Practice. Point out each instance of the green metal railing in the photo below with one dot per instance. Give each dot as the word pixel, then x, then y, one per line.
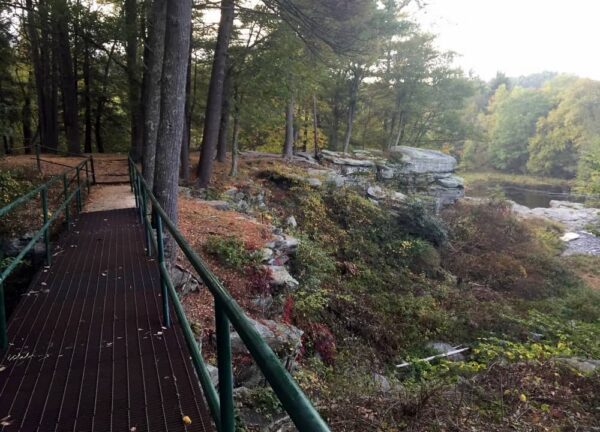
pixel 227 311
pixel 48 218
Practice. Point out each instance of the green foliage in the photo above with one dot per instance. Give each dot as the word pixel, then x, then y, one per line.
pixel 513 118
pixel 12 185
pixel 417 219
pixel 230 251
pixel 489 245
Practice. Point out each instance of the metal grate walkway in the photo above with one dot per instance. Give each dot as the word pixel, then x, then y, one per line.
pixel 87 351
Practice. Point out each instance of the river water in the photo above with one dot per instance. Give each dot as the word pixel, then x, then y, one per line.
pixel 528 196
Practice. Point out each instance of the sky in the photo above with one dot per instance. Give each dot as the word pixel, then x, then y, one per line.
pixel 518 37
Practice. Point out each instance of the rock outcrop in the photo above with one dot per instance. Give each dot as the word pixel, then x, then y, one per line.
pixel 575 217
pixel 406 170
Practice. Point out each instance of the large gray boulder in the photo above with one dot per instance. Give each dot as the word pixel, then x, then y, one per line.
pixel 284 339
pixel 420 161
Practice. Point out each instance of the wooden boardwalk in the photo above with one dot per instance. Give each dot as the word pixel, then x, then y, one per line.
pixel 87 349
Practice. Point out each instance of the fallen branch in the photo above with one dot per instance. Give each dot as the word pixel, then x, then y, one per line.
pixel 453 351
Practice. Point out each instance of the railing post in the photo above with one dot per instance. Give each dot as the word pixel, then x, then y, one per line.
pixel 145 222
pixel 78 190
pixel 93 169
pixel 87 177
pixel 160 246
pixel 135 188
pixel 131 174
pixel 225 369
pixel 139 192
pixel 68 206
pixel 3 330
pixel 44 194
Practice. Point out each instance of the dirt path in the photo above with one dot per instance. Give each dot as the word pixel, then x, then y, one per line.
pixel 109 197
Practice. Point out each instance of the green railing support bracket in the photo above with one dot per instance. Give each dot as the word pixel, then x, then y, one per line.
pixel 160 247
pixel 225 369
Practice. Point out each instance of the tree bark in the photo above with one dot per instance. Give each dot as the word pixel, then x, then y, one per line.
pixel 87 99
pixel 26 116
pixel 101 101
pixel 237 99
pixel 184 172
pixel 68 80
pixel 40 55
pixel 153 65
pixel 354 85
pixel 288 146
pixel 170 129
pixel 224 124
pixel 131 51
pixel 212 116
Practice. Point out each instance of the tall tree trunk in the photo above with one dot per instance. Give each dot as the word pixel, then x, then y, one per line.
pixel 153 62
pixel 335 123
pixel 170 129
pixel 305 137
pixel 131 50
pixel 288 146
pixel 184 172
pixel 40 48
pixel 212 116
pixel 101 101
pixel 87 99
pixel 26 116
pixel 237 99
pixel 7 149
pixel 68 80
pixel 355 84
pixel 348 135
pixel 224 124
pixel 315 126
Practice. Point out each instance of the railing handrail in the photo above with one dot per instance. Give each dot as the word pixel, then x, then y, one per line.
pixel 294 401
pixel 32 193
pixel 44 231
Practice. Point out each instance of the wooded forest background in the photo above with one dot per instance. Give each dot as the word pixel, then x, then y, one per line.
pixel 276 75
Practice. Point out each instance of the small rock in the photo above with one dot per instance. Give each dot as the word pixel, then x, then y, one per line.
pixel 586 366
pixel 280 277
pixel 451 182
pixel 382 383
pixel 231 192
pixel 213 372
pixel 375 192
pixel 398 196
pixel 291 221
pixel 570 236
pixel 336 180
pixel 314 182
pixel 283 338
pixel 443 348
pixel 265 254
pixel 385 172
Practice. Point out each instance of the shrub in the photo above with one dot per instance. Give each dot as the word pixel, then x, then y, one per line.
pixel 489 245
pixel 417 220
pixel 230 251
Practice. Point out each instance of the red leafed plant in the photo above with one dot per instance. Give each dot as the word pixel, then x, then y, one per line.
pixel 322 341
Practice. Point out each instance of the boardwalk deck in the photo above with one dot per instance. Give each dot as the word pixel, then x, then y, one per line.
pixel 87 351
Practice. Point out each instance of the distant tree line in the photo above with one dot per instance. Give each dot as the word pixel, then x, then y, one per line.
pixel 546 124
